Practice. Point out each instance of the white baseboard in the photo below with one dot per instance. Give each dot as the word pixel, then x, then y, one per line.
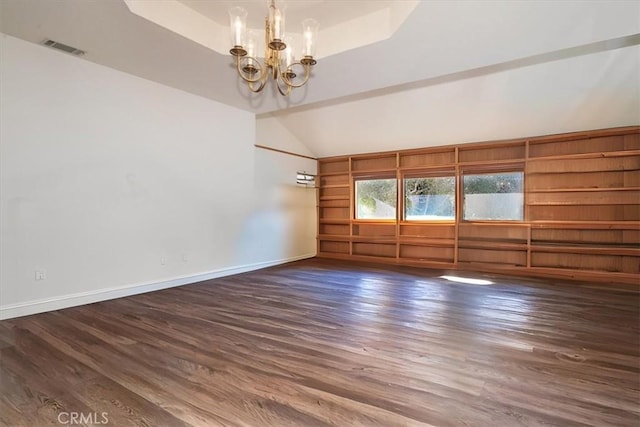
pixel 72 300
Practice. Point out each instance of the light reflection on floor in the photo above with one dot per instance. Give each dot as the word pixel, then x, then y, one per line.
pixel 467 280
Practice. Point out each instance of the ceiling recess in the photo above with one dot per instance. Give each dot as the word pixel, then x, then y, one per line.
pixel 63 47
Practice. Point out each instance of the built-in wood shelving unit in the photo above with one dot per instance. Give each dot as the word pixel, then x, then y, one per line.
pixel 581 213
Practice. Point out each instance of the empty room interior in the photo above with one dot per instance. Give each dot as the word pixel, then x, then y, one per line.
pixel 383 213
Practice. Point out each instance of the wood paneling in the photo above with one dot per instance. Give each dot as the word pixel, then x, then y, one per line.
pixel 624 196
pixel 335 203
pixel 327 343
pixel 434 231
pixel 427 159
pixel 585 165
pixel 341 229
pixel 491 153
pixel 577 261
pixel 373 164
pixel 334 213
pixel 498 232
pixel 434 253
pixel 585 236
pixel 330 180
pixel 582 194
pixel 332 167
pixel 580 146
pixel 334 247
pixel 632 141
pixel 374 229
pixel 611 179
pixel 509 257
pixel 591 213
pixel 374 249
pixel 631 264
pixel 334 192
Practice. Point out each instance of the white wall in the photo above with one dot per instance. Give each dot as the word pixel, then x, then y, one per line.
pixel 286 221
pixel 584 92
pixel 105 176
pixel 271 133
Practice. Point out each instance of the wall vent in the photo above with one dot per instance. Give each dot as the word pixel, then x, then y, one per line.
pixel 63 47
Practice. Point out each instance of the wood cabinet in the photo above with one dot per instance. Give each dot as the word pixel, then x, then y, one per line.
pixel 581 208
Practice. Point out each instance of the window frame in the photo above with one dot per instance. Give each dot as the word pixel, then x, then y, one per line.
pixel 492 170
pixel 439 173
pixel 372 177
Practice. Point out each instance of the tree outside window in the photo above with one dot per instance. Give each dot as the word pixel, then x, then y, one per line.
pixel 376 198
pixel 428 199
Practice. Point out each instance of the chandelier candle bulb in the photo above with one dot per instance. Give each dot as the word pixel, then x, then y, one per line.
pixel 307 42
pixel 278 24
pixel 310 35
pixel 238 32
pixel 238 20
pixel 251 50
pixel 288 56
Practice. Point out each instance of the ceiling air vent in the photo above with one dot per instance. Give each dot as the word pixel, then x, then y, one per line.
pixel 63 47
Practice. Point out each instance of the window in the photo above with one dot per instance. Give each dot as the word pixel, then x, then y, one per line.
pixel 427 199
pixel 495 196
pixel 376 198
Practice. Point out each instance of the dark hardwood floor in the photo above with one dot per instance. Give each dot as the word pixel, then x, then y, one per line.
pixel 322 342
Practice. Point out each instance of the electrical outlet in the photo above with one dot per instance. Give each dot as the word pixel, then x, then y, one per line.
pixel 163 260
pixel 185 258
pixel 40 275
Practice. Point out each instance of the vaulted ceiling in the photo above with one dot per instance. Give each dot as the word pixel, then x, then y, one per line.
pixel 442 72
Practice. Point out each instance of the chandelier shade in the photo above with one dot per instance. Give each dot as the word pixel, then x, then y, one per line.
pixel 279 57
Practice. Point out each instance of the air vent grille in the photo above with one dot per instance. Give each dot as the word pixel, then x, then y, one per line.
pixel 63 47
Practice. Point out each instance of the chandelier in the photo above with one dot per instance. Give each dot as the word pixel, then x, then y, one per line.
pixel 279 61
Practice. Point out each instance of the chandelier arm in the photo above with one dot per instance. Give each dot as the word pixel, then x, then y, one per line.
pixel 279 85
pixel 289 82
pixel 259 88
pixel 260 70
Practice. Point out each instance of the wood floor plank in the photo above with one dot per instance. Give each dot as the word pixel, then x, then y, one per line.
pixel 322 342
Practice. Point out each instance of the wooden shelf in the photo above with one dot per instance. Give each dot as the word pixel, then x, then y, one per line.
pixel 600 225
pixel 489 266
pixel 431 223
pixel 598 155
pixel 445 168
pixel 337 185
pixel 585 190
pixel 335 198
pixel 334 221
pixel 334 237
pixel 518 161
pixel 630 250
pixel 497 223
pixel 421 241
pixel 493 246
pixel 321 174
pixel 333 255
pixel 617 196
pixel 374 239
pixel 388 222
pixel 425 263
pixel 581 208
pixel 381 172
pixel 355 257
